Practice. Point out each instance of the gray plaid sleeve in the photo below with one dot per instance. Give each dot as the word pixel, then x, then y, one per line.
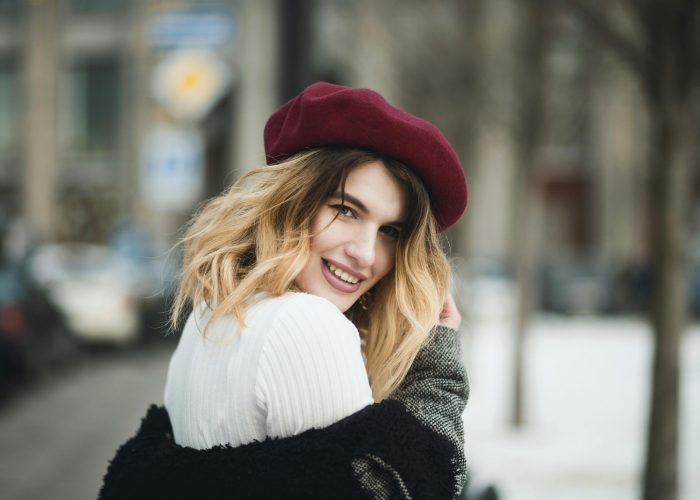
pixel 435 391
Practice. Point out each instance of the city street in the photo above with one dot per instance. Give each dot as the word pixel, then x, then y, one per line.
pixel 583 438
pixel 151 150
pixel 56 440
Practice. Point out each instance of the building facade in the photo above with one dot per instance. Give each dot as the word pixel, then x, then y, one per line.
pixel 91 137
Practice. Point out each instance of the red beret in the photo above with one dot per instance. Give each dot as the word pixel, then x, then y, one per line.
pixel 324 114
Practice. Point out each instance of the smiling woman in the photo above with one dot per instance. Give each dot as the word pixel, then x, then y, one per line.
pixel 284 226
pixel 354 236
pixel 321 318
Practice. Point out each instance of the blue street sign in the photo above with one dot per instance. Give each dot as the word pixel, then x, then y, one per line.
pixel 192 28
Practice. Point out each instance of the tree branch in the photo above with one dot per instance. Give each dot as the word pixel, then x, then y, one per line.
pixel 601 27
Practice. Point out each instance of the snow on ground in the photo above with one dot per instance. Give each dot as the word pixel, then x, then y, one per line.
pixel 586 397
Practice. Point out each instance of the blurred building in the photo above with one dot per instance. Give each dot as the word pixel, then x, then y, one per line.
pixel 453 63
pixel 128 110
pixel 123 110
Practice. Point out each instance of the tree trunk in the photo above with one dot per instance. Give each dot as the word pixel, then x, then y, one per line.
pixel 530 80
pixel 669 181
pixel 525 267
pixel 669 83
pixel 665 61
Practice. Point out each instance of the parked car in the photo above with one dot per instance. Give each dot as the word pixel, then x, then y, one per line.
pixel 33 337
pixel 576 287
pixel 95 288
pixel 158 274
pixel 13 328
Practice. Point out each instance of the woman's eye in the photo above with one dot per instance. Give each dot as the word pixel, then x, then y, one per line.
pixel 344 210
pixel 390 231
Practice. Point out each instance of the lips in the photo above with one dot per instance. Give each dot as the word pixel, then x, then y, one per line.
pixel 336 282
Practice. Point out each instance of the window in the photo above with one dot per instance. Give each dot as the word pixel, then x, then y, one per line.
pixel 94 104
pixel 566 97
pixel 10 120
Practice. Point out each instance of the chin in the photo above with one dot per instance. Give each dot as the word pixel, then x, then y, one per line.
pixel 342 304
pixel 342 301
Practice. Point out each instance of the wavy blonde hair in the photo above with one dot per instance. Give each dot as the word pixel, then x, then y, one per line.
pixel 256 236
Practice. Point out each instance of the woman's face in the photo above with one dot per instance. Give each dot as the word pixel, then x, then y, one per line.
pixel 354 242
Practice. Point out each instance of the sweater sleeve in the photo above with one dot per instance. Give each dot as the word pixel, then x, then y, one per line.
pixel 311 372
pixel 435 391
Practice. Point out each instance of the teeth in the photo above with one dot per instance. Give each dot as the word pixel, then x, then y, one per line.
pixel 342 274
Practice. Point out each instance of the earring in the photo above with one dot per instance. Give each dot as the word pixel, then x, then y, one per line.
pixel 365 300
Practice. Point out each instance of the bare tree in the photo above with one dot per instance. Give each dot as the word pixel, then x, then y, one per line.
pixel 662 54
pixel 531 47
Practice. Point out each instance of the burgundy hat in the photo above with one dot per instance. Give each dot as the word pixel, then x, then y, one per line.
pixel 324 114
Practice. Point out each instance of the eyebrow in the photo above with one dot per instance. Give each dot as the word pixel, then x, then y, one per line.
pixel 363 208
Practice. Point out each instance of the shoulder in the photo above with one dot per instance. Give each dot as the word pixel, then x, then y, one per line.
pixel 307 330
pixel 311 371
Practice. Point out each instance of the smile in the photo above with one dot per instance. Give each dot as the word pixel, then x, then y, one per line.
pixel 348 278
pixel 339 279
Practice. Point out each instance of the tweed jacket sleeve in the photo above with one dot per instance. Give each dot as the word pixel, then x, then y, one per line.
pixel 436 390
pixel 406 447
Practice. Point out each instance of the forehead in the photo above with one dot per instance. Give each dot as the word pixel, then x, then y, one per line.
pixel 378 190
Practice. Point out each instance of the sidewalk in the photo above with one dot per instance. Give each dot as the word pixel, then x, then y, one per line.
pixel 587 383
pixel 57 440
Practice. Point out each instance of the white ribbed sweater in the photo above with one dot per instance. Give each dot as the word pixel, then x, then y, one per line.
pixel 296 364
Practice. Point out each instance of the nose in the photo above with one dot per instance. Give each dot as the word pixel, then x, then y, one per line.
pixel 361 247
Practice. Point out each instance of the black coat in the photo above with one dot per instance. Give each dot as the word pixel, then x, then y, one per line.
pixel 409 446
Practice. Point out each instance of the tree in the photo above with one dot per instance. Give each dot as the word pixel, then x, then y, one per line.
pixel 529 126
pixel 662 54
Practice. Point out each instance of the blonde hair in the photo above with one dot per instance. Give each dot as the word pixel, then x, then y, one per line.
pixel 256 236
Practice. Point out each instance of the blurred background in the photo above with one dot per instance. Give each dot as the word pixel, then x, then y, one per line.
pixel 577 265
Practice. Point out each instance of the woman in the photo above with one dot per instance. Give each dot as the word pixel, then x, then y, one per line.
pixel 321 358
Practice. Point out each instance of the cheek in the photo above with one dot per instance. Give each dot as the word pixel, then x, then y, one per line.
pixel 320 228
pixel 385 260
